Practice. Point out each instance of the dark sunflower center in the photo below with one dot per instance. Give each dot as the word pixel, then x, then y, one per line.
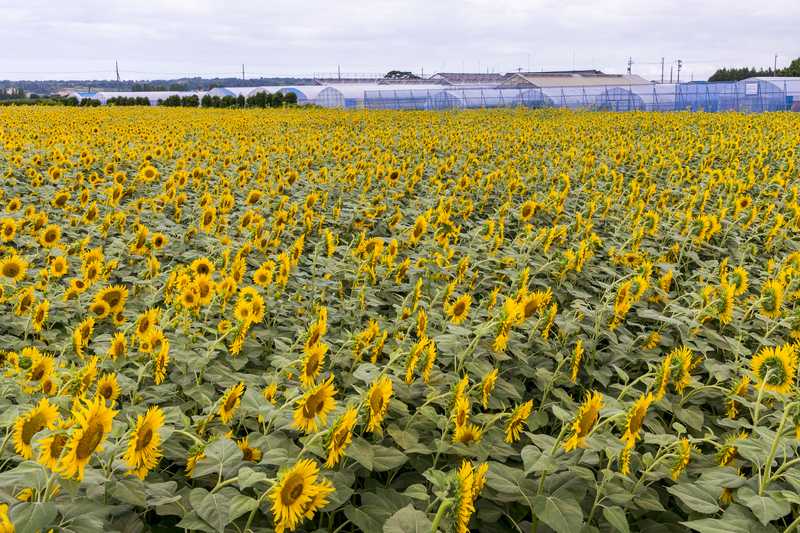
pixel 292 490
pixel 145 437
pixel 32 426
pixel 90 440
pixel 11 270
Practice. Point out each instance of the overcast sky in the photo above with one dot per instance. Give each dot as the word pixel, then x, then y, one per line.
pixel 80 39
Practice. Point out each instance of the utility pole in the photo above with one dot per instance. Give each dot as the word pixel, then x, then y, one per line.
pixel 662 70
pixel 775 66
pixel 670 73
pixel 630 64
pixel 116 67
pixel 680 64
pixel 242 70
pixel 339 72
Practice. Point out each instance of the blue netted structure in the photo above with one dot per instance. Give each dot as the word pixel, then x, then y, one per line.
pixel 754 95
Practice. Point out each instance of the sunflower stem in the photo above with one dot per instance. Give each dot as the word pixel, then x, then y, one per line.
pixel 443 507
pixel 767 477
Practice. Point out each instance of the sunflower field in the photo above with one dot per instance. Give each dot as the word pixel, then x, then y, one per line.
pixel 317 320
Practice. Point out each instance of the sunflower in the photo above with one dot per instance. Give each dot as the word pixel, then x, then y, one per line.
pixel 14 268
pixel 575 363
pixel 145 322
pixel 50 449
pixel 739 390
pixel 42 416
pixel 313 361
pixel 148 173
pixel 8 229
pixel 108 387
pixel 265 273
pixel 207 219
pixel 461 410
pixel 5 523
pixel 119 346
pixel 469 485
pixel 517 420
pixel 248 452
pixel 684 456
pixel 430 360
pixel 458 310
pixel 49 386
pixel 339 436
pixel 487 387
pixel 419 229
pixel 299 492
pixel 114 297
pixel 49 236
pixel 189 298
pixel 739 280
pixel 378 398
pixel 204 288
pixel 725 302
pixel 41 365
pixel 772 298
pixel 728 452
pixel 526 210
pixel 25 300
pixel 86 375
pixel 314 407
pixel 92 424
pixel 144 448
pixel 230 402
pixel 161 357
pixel 775 368
pixel 676 368
pixel 270 393
pixel 635 419
pixel 584 422
pixel 58 266
pixel 535 301
pixel 191 461
pixel 159 240
pixel 467 434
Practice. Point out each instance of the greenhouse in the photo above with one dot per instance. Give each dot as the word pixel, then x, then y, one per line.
pixel 768 94
pixel 655 97
pixel 354 96
pixel 237 91
pixel 592 97
pixel 452 98
pixel 306 94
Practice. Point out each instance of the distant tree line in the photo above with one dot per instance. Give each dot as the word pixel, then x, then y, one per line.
pixel 736 74
pixel 180 101
pixel 128 100
pixel 35 99
pixel 260 99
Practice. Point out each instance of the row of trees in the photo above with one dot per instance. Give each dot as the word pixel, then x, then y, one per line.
pixel 736 74
pixel 128 100
pixel 260 99
pixel 180 101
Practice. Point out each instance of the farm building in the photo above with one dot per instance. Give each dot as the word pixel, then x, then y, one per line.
pixel 570 78
pixel 472 79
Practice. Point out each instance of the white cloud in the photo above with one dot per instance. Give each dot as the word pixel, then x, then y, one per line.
pixel 161 38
